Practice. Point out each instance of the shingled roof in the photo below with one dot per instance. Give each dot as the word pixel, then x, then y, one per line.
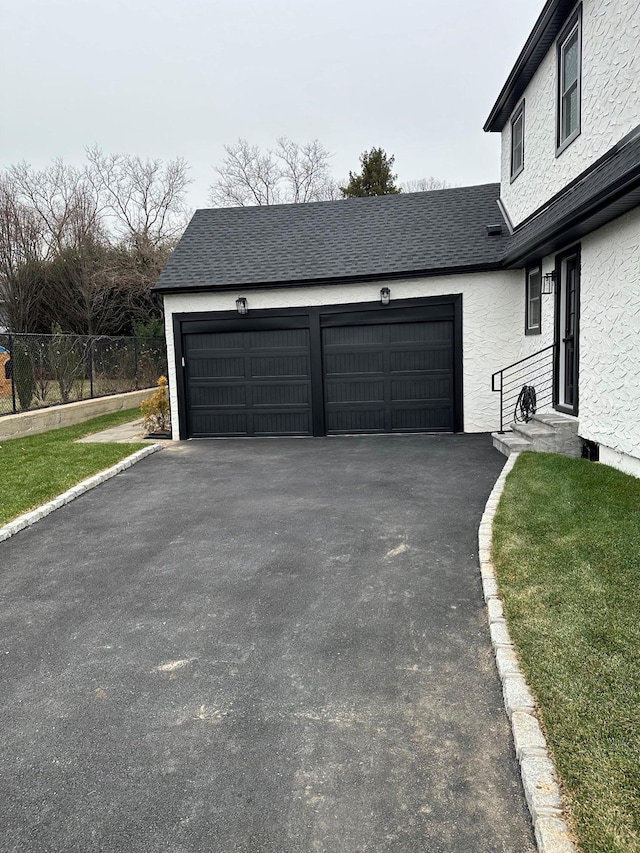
pixel 390 236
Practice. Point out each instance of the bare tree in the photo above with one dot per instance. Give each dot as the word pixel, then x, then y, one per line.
pixel 62 198
pixel 423 185
pixel 21 250
pixel 289 173
pixel 305 170
pixel 246 177
pixel 145 199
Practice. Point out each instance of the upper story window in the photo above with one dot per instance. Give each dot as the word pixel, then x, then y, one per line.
pixel 517 142
pixel 569 82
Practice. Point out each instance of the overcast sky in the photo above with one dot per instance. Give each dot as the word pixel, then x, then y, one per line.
pixel 162 78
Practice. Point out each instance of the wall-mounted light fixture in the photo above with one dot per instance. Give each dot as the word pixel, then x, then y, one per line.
pixel 385 295
pixel 241 305
pixel 548 283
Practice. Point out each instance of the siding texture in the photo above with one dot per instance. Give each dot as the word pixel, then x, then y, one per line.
pixel 610 107
pixel 610 336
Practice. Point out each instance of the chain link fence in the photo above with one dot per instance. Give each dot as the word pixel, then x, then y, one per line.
pixel 47 370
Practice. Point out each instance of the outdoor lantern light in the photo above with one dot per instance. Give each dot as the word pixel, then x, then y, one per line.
pixel 241 305
pixel 548 283
pixel 385 295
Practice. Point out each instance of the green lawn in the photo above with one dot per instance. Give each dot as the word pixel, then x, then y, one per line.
pixel 40 467
pixel 567 557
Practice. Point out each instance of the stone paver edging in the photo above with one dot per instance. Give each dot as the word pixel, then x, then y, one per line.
pixel 71 494
pixel 539 777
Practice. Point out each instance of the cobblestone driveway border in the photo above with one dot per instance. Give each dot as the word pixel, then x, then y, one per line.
pixel 539 776
pixel 74 492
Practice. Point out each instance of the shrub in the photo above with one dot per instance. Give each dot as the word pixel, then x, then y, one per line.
pixel 67 367
pixel 22 362
pixel 155 410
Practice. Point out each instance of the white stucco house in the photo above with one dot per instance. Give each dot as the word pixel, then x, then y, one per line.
pixel 393 313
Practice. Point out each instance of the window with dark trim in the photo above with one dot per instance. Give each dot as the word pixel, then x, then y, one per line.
pixel 569 82
pixel 517 142
pixel 533 305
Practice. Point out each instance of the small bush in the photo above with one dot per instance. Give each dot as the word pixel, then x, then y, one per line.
pixel 156 410
pixel 23 374
pixel 67 367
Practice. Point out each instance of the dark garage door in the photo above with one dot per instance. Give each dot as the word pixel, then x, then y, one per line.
pixel 389 377
pixel 323 371
pixel 248 382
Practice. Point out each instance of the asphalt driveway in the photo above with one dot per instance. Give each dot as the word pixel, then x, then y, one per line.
pixel 267 646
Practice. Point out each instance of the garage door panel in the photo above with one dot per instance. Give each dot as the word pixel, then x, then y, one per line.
pixel 203 424
pixel 420 418
pixel 216 368
pixel 420 332
pixel 289 394
pixel 348 420
pixel 420 360
pixel 281 423
pixel 428 388
pixel 284 365
pixel 353 336
pixel 218 395
pixel 285 339
pixel 361 391
pixel 195 343
pixel 353 362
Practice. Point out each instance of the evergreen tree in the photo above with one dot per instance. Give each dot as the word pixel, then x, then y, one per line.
pixel 375 178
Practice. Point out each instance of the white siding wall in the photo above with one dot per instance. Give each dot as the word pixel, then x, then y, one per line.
pixel 609 405
pixel 492 317
pixel 610 107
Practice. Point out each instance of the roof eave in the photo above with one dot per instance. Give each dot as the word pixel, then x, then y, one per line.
pixel 541 38
pixel 618 198
pixel 323 282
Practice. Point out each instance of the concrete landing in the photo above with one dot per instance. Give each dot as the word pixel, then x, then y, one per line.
pixel 546 432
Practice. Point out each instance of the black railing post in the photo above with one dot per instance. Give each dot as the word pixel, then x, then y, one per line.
pixel 501 404
pixel 91 367
pixel 135 364
pixel 13 374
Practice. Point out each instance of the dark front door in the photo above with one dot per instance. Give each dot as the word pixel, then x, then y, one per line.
pixel 567 325
pixel 389 377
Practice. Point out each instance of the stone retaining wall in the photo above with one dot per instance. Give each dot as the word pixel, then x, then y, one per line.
pixel 54 417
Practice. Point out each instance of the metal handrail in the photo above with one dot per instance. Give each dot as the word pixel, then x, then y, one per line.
pixel 530 369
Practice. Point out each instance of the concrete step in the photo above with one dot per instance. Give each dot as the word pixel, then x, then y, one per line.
pixel 566 423
pixel 532 430
pixel 509 442
pixel 546 432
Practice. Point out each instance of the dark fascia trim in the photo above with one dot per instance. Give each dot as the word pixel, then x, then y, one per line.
pixel 338 280
pixel 627 183
pixel 505 216
pixel 543 242
pixel 544 32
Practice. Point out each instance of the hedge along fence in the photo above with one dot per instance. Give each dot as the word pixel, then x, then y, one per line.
pixel 47 370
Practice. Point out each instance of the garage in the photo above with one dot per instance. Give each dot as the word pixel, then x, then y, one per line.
pixel 326 371
pixel 340 317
